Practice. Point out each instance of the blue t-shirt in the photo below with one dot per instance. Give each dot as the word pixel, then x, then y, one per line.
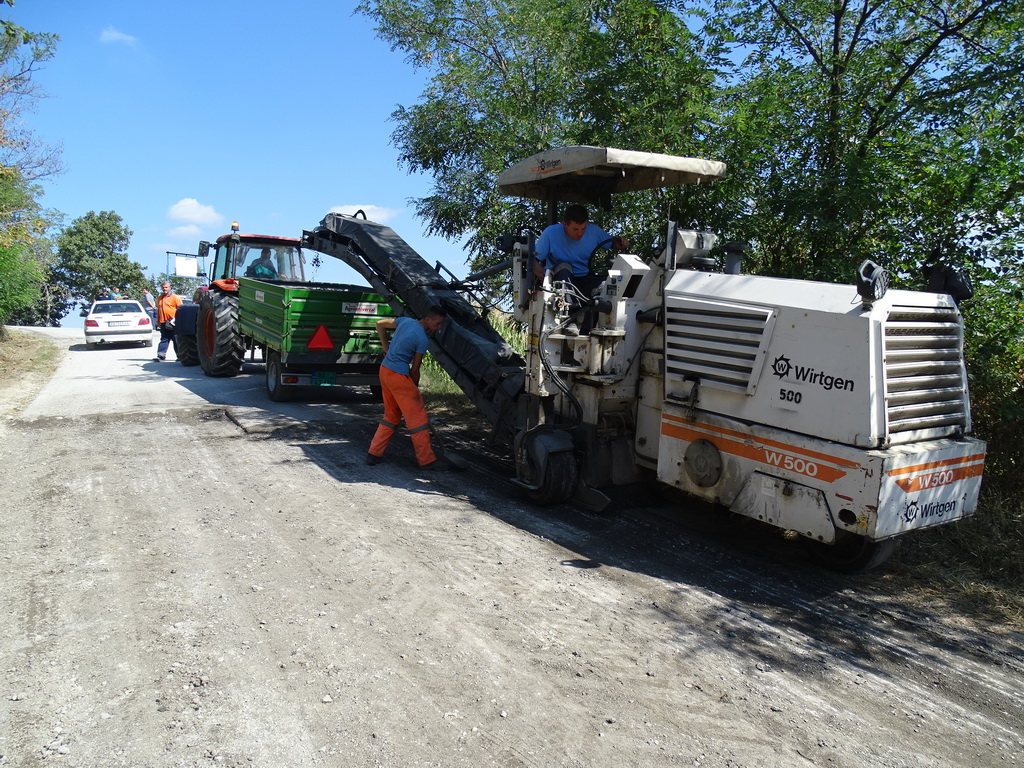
pixel 408 340
pixel 555 247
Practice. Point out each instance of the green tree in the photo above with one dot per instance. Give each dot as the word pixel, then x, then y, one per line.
pixel 513 77
pixel 23 267
pixel 21 54
pixel 92 254
pixel 885 130
pixel 22 261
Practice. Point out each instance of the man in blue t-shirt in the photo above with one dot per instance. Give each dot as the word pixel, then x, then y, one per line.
pixel 571 242
pixel 565 248
pixel 399 383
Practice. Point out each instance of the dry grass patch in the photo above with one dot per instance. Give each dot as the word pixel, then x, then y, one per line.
pixel 27 360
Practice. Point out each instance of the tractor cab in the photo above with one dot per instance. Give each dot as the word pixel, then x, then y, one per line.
pixel 263 257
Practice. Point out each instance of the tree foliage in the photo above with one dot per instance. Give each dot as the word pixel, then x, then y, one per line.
pixel 882 130
pixel 23 257
pixel 887 130
pixel 21 54
pixel 513 77
pixel 22 266
pixel 92 254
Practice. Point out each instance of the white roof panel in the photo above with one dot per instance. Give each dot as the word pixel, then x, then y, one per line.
pixel 582 173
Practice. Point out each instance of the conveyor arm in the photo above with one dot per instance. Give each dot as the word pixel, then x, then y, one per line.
pixel 480 362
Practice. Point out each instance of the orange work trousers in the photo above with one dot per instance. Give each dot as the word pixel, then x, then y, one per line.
pixel 402 398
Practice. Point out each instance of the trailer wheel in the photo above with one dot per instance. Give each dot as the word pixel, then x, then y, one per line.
pixel 187 349
pixel 561 476
pixel 276 391
pixel 851 553
pixel 220 344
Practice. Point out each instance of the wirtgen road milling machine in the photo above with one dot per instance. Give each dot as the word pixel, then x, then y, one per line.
pixel 839 412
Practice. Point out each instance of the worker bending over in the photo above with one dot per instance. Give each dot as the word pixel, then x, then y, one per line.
pixel 399 382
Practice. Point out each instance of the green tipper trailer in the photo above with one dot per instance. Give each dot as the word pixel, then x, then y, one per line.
pixel 312 334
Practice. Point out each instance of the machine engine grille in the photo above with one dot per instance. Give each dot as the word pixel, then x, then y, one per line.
pixel 926 388
pixel 721 343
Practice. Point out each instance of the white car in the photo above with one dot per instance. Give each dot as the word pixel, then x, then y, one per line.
pixel 118 321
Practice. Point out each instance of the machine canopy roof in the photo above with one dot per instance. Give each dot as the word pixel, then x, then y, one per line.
pixel 591 174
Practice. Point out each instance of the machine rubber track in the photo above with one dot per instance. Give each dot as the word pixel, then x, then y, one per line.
pixel 221 351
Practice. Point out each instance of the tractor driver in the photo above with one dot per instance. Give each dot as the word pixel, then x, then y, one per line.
pixel 263 267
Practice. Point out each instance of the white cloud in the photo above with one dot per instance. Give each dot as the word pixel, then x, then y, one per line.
pixel 190 231
pixel 191 211
pixel 112 35
pixel 373 212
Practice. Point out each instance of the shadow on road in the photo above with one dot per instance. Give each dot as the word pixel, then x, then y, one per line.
pixel 771 608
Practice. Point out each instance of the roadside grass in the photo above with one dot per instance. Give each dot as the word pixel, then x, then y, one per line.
pixel 975 566
pixel 27 361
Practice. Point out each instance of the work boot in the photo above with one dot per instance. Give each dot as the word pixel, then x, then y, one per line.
pixel 371 459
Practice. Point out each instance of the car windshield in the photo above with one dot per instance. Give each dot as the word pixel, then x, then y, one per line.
pixel 120 306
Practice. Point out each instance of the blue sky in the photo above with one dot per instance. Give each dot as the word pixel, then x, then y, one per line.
pixel 184 116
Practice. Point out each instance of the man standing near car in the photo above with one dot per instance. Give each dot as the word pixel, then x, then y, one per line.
pixel 149 303
pixel 167 304
pixel 399 383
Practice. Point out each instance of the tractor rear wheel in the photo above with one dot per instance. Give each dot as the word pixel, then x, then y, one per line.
pixel 220 344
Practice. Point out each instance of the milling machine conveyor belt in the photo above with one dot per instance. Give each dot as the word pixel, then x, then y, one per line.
pixel 477 358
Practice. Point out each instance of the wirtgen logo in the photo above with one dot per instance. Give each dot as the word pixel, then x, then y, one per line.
pixel 785 368
pixel 915 510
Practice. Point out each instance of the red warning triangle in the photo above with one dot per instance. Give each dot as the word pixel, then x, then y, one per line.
pixel 320 339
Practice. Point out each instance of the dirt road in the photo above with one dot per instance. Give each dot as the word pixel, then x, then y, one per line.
pixel 194 575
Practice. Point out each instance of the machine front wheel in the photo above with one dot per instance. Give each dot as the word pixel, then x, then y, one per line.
pixel 560 479
pixel 851 553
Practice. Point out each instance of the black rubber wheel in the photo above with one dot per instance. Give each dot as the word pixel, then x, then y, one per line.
pixel 221 351
pixel 276 391
pixel 560 479
pixel 188 349
pixel 850 553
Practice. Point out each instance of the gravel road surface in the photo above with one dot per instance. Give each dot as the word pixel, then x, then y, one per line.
pixel 196 576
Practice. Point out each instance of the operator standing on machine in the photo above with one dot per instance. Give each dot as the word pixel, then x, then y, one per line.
pixel 399 381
